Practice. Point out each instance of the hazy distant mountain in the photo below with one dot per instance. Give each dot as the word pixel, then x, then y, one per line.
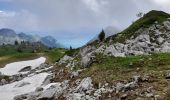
pixel 50 42
pixel 9 36
pixel 7 32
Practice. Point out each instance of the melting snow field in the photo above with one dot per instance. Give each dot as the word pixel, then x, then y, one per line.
pixel 27 84
pixel 14 68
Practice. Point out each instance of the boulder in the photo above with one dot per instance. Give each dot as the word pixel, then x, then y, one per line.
pixel 112 51
pixel 130 86
pixel 25 69
pixel 165 47
pixel 86 50
pixel 100 49
pixel 167 25
pixel 22 84
pixel 76 96
pixel 65 59
pixel 20 97
pixel 48 80
pixel 74 74
pixel 3 81
pixel 85 85
pixel 119 87
pixel 39 89
pixel 52 92
pixel 167 74
pixel 86 61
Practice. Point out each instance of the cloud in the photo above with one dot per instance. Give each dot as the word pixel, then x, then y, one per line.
pixel 73 19
pixel 7 14
pixel 21 21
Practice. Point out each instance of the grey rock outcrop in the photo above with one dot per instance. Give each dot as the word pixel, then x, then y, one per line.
pixel 85 85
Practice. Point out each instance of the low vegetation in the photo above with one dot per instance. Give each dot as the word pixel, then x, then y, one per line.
pixel 112 69
pixel 145 21
pixel 25 51
pixel 55 54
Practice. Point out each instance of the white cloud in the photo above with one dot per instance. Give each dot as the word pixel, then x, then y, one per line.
pixel 21 20
pixel 77 19
pixel 164 4
pixel 7 14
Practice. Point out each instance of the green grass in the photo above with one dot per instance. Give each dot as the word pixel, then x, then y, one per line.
pixel 150 61
pixel 118 68
pixel 6 50
pixel 147 20
pixel 55 54
pixel 17 57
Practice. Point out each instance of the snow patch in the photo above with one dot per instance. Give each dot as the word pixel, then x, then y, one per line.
pixel 14 68
pixel 9 91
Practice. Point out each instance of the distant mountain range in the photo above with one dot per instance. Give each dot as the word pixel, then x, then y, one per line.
pixel 9 36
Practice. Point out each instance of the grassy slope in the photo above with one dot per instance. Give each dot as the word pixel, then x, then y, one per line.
pixel 54 55
pixel 147 20
pixel 17 57
pixel 9 53
pixel 113 69
pixel 117 65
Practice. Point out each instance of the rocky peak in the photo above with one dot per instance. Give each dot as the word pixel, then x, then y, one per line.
pixel 7 32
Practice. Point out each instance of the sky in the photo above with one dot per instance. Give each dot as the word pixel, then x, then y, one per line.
pixel 73 22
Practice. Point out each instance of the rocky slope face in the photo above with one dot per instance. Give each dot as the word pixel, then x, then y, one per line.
pixel 149 39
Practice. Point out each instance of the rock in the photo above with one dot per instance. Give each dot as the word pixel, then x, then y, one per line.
pixel 43 66
pixel 76 96
pixel 167 74
pixel 38 89
pixel 112 51
pixel 123 97
pixel 53 92
pixel 157 97
pixel 22 84
pixel 20 97
pixel 130 86
pixel 100 50
pixel 160 40
pixel 85 85
pixel 3 81
pixel 74 74
pixel 86 61
pixel 167 25
pixel 146 78
pixel 119 87
pixel 48 80
pixel 71 65
pixel 149 95
pixel 25 69
pixel 137 78
pixel 86 50
pixel 65 59
pixel 165 47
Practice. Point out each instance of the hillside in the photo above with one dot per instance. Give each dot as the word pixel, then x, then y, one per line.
pixel 131 65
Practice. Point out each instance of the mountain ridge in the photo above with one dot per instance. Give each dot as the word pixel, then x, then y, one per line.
pixel 9 36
